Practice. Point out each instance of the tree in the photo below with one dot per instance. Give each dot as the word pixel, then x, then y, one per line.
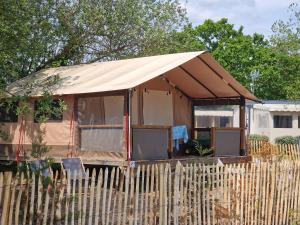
pixel 286 34
pixel 251 59
pixel 286 43
pixel 36 34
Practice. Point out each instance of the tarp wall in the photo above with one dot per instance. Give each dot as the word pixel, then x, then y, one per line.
pixel 57 134
pixel 166 105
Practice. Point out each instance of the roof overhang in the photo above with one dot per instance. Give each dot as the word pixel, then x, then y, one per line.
pixel 196 74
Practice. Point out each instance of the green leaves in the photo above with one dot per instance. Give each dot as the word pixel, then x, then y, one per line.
pixel 37 34
pixel 253 60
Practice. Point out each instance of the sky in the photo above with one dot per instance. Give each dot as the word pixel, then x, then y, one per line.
pixel 255 15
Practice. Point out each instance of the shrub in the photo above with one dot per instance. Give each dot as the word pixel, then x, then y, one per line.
pixel 286 140
pixel 258 137
pixel 198 147
pixel 297 139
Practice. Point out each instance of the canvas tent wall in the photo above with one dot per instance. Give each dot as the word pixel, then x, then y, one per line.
pixel 140 86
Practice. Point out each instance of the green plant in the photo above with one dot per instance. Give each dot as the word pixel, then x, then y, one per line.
pixel 258 137
pixel 196 147
pixel 286 140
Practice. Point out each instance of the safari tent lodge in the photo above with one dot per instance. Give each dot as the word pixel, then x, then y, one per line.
pixel 131 110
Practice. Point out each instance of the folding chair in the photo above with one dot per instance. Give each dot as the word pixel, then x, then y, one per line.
pixel 41 166
pixel 74 164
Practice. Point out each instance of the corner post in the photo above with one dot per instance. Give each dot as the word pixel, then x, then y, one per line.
pixel 243 127
pixel 193 121
pixel 128 125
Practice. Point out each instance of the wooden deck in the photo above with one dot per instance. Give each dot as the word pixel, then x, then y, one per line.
pixel 182 159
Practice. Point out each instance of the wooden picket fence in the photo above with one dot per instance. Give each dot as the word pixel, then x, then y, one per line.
pixel 196 194
pixel 268 150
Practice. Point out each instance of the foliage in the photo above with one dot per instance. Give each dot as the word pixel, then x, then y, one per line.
pixel 252 59
pixel 258 137
pixel 38 34
pixel 267 152
pixel 286 37
pixel 4 135
pixel 196 147
pixel 45 109
pixel 287 140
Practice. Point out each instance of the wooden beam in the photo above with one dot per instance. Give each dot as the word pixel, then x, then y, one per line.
pixel 219 75
pixel 77 138
pixel 128 128
pixel 102 94
pixel 218 101
pixel 177 88
pixel 199 82
pixel 243 127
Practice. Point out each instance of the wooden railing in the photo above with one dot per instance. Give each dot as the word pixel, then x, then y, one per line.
pixel 214 142
pixel 158 128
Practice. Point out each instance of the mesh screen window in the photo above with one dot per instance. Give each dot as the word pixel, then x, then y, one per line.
pixel 8 112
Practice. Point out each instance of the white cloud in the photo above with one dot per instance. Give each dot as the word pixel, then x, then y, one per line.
pixel 254 15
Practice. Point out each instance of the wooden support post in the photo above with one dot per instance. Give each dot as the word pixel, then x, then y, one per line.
pixel 128 125
pixel 170 148
pixel 243 127
pixel 193 121
pixel 213 139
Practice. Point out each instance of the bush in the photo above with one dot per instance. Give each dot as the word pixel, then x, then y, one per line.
pixel 258 137
pixel 297 140
pixel 286 140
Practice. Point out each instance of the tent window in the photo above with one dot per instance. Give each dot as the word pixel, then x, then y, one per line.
pixel 158 108
pixel 283 121
pixel 8 112
pixel 102 118
pixel 114 109
pixel 108 110
pixel 53 116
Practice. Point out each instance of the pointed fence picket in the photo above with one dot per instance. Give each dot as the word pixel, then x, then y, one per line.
pixel 254 193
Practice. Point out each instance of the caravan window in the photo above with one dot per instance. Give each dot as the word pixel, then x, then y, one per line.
pixel 283 121
pixel 8 112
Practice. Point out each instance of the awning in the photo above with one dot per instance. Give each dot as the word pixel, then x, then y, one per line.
pixel 196 74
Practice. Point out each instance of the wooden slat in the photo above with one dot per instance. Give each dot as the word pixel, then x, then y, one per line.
pixel 53 201
pixel 98 196
pixel 18 200
pixel 264 192
pixel 104 201
pixel 68 197
pixel 27 198
pixel 12 199
pixel 6 197
pixel 91 195
pixel 108 209
pixel 85 197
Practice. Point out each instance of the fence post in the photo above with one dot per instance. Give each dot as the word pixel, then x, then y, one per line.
pixel 6 201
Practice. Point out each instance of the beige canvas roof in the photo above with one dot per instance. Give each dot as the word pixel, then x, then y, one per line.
pixel 196 74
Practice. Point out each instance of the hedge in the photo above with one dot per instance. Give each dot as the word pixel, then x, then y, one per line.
pixel 258 137
pixel 287 140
